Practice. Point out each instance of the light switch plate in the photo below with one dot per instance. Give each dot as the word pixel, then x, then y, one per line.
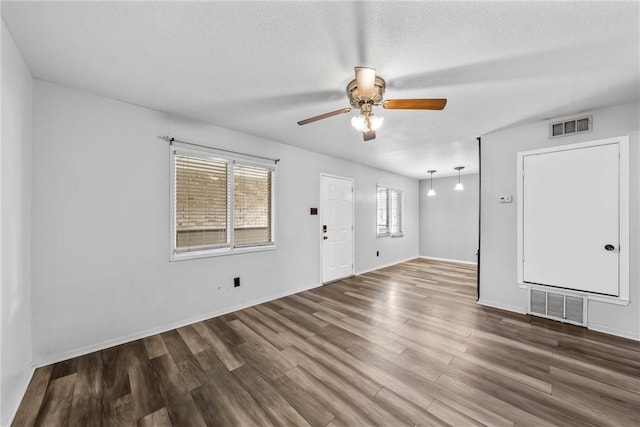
pixel 506 199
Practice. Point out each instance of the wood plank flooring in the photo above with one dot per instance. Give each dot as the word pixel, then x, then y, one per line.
pixel 405 345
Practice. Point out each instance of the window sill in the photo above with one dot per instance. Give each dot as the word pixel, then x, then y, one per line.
pixel 212 253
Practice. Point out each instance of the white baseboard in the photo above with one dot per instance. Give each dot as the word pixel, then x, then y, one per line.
pixel 7 418
pixel 501 306
pixel 378 267
pixel 614 331
pixel 153 331
pixel 448 260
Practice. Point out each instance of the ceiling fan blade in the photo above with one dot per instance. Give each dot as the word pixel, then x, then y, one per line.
pixel 368 136
pixel 366 79
pixel 324 116
pixel 415 104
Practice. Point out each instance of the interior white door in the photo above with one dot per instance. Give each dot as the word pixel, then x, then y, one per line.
pixel 336 211
pixel 571 219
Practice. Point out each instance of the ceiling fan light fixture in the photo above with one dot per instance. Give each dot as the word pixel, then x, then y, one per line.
pixel 366 122
pixel 364 93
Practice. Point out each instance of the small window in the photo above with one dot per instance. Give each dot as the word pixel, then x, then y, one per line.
pixel 383 211
pixel 252 192
pixel 395 212
pixel 389 212
pixel 201 203
pixel 220 205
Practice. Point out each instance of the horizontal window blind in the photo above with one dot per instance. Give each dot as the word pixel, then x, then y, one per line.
pixel 201 214
pixel 396 212
pixel 252 205
pixel 389 211
pixel 220 204
pixel 382 211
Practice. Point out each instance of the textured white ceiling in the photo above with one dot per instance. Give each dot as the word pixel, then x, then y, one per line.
pixel 259 67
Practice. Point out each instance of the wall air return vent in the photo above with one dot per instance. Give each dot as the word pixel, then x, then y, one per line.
pixel 558 306
pixel 570 127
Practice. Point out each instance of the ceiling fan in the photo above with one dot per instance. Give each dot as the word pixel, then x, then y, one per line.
pixel 365 92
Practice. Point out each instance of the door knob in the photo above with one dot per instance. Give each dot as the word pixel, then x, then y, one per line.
pixel 609 247
pixel 325 237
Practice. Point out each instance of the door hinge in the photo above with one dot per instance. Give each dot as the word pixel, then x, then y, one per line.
pixel 523 173
pixel 522 257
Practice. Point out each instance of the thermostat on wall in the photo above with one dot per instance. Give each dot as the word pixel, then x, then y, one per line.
pixel 506 199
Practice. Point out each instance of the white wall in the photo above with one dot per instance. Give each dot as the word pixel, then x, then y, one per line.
pixel 101 270
pixel 449 220
pixel 498 246
pixel 15 230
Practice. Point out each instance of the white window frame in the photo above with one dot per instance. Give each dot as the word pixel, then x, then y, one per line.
pixel 229 248
pixel 390 208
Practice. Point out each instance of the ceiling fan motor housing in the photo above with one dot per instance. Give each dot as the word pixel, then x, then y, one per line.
pixel 357 101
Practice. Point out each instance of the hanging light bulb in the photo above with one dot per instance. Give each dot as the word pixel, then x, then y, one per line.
pixel 375 122
pixel 459 184
pixel 359 123
pixel 431 191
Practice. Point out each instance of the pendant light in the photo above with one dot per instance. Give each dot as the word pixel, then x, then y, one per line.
pixel 431 191
pixel 459 184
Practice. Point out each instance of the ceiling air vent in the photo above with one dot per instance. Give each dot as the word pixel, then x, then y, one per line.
pixel 570 127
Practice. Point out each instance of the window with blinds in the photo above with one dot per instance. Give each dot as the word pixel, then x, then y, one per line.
pixel 219 205
pixel 383 211
pixel 395 212
pixel 201 203
pixel 389 212
pixel 252 189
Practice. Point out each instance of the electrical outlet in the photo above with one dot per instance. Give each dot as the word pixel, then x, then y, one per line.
pixel 236 282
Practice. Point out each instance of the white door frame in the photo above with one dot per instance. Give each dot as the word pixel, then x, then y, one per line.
pixel 623 206
pixel 322 210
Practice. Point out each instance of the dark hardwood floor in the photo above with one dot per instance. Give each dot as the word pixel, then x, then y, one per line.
pixel 405 345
